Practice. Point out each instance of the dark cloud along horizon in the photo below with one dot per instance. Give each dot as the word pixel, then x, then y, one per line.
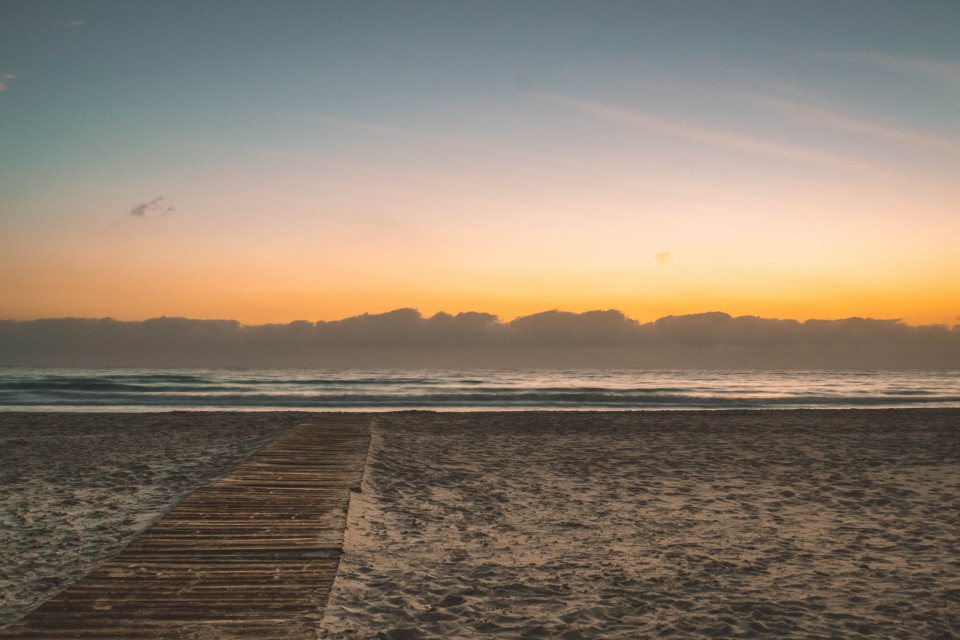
pixel 405 338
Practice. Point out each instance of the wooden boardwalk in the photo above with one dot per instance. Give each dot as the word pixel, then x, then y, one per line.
pixel 252 555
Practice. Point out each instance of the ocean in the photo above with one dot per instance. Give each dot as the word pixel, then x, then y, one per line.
pixel 49 389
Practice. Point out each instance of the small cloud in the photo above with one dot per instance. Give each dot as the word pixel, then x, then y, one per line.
pixel 72 24
pixel 3 87
pixel 151 208
pixel 663 258
pixel 9 76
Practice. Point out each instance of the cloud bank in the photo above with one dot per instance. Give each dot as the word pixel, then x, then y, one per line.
pixel 404 338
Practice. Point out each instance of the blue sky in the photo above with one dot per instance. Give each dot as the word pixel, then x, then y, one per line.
pixel 324 159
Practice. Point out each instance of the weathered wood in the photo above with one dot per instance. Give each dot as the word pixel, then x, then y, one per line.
pixel 252 555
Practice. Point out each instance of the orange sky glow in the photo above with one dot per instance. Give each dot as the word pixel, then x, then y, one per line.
pixel 659 160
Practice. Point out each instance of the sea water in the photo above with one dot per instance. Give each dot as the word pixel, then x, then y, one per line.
pixel 55 389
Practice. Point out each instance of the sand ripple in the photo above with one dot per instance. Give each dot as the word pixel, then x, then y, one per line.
pixel 806 524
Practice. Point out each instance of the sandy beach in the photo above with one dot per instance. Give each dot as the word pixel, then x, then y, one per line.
pixel 798 524
pixel 803 524
pixel 75 488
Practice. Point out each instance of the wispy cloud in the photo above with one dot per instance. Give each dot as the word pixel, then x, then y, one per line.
pixel 9 76
pixel 841 122
pixel 710 136
pixel 150 208
pixel 942 70
pixel 72 24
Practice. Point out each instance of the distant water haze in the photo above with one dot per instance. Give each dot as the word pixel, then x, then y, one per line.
pixel 554 339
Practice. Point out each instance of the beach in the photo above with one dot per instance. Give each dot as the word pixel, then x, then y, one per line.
pixel 76 488
pixel 803 524
pixel 628 525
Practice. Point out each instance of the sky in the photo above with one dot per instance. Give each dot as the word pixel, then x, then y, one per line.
pixel 275 161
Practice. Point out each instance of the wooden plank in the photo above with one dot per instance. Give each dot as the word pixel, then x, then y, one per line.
pixel 252 555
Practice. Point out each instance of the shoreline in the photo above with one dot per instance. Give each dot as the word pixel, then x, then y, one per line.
pixel 152 390
pixel 133 411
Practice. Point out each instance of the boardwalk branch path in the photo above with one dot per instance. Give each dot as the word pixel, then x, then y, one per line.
pixel 252 555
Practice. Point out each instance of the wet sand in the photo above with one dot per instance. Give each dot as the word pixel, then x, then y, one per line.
pixel 787 524
pixel 76 488
pixel 795 524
